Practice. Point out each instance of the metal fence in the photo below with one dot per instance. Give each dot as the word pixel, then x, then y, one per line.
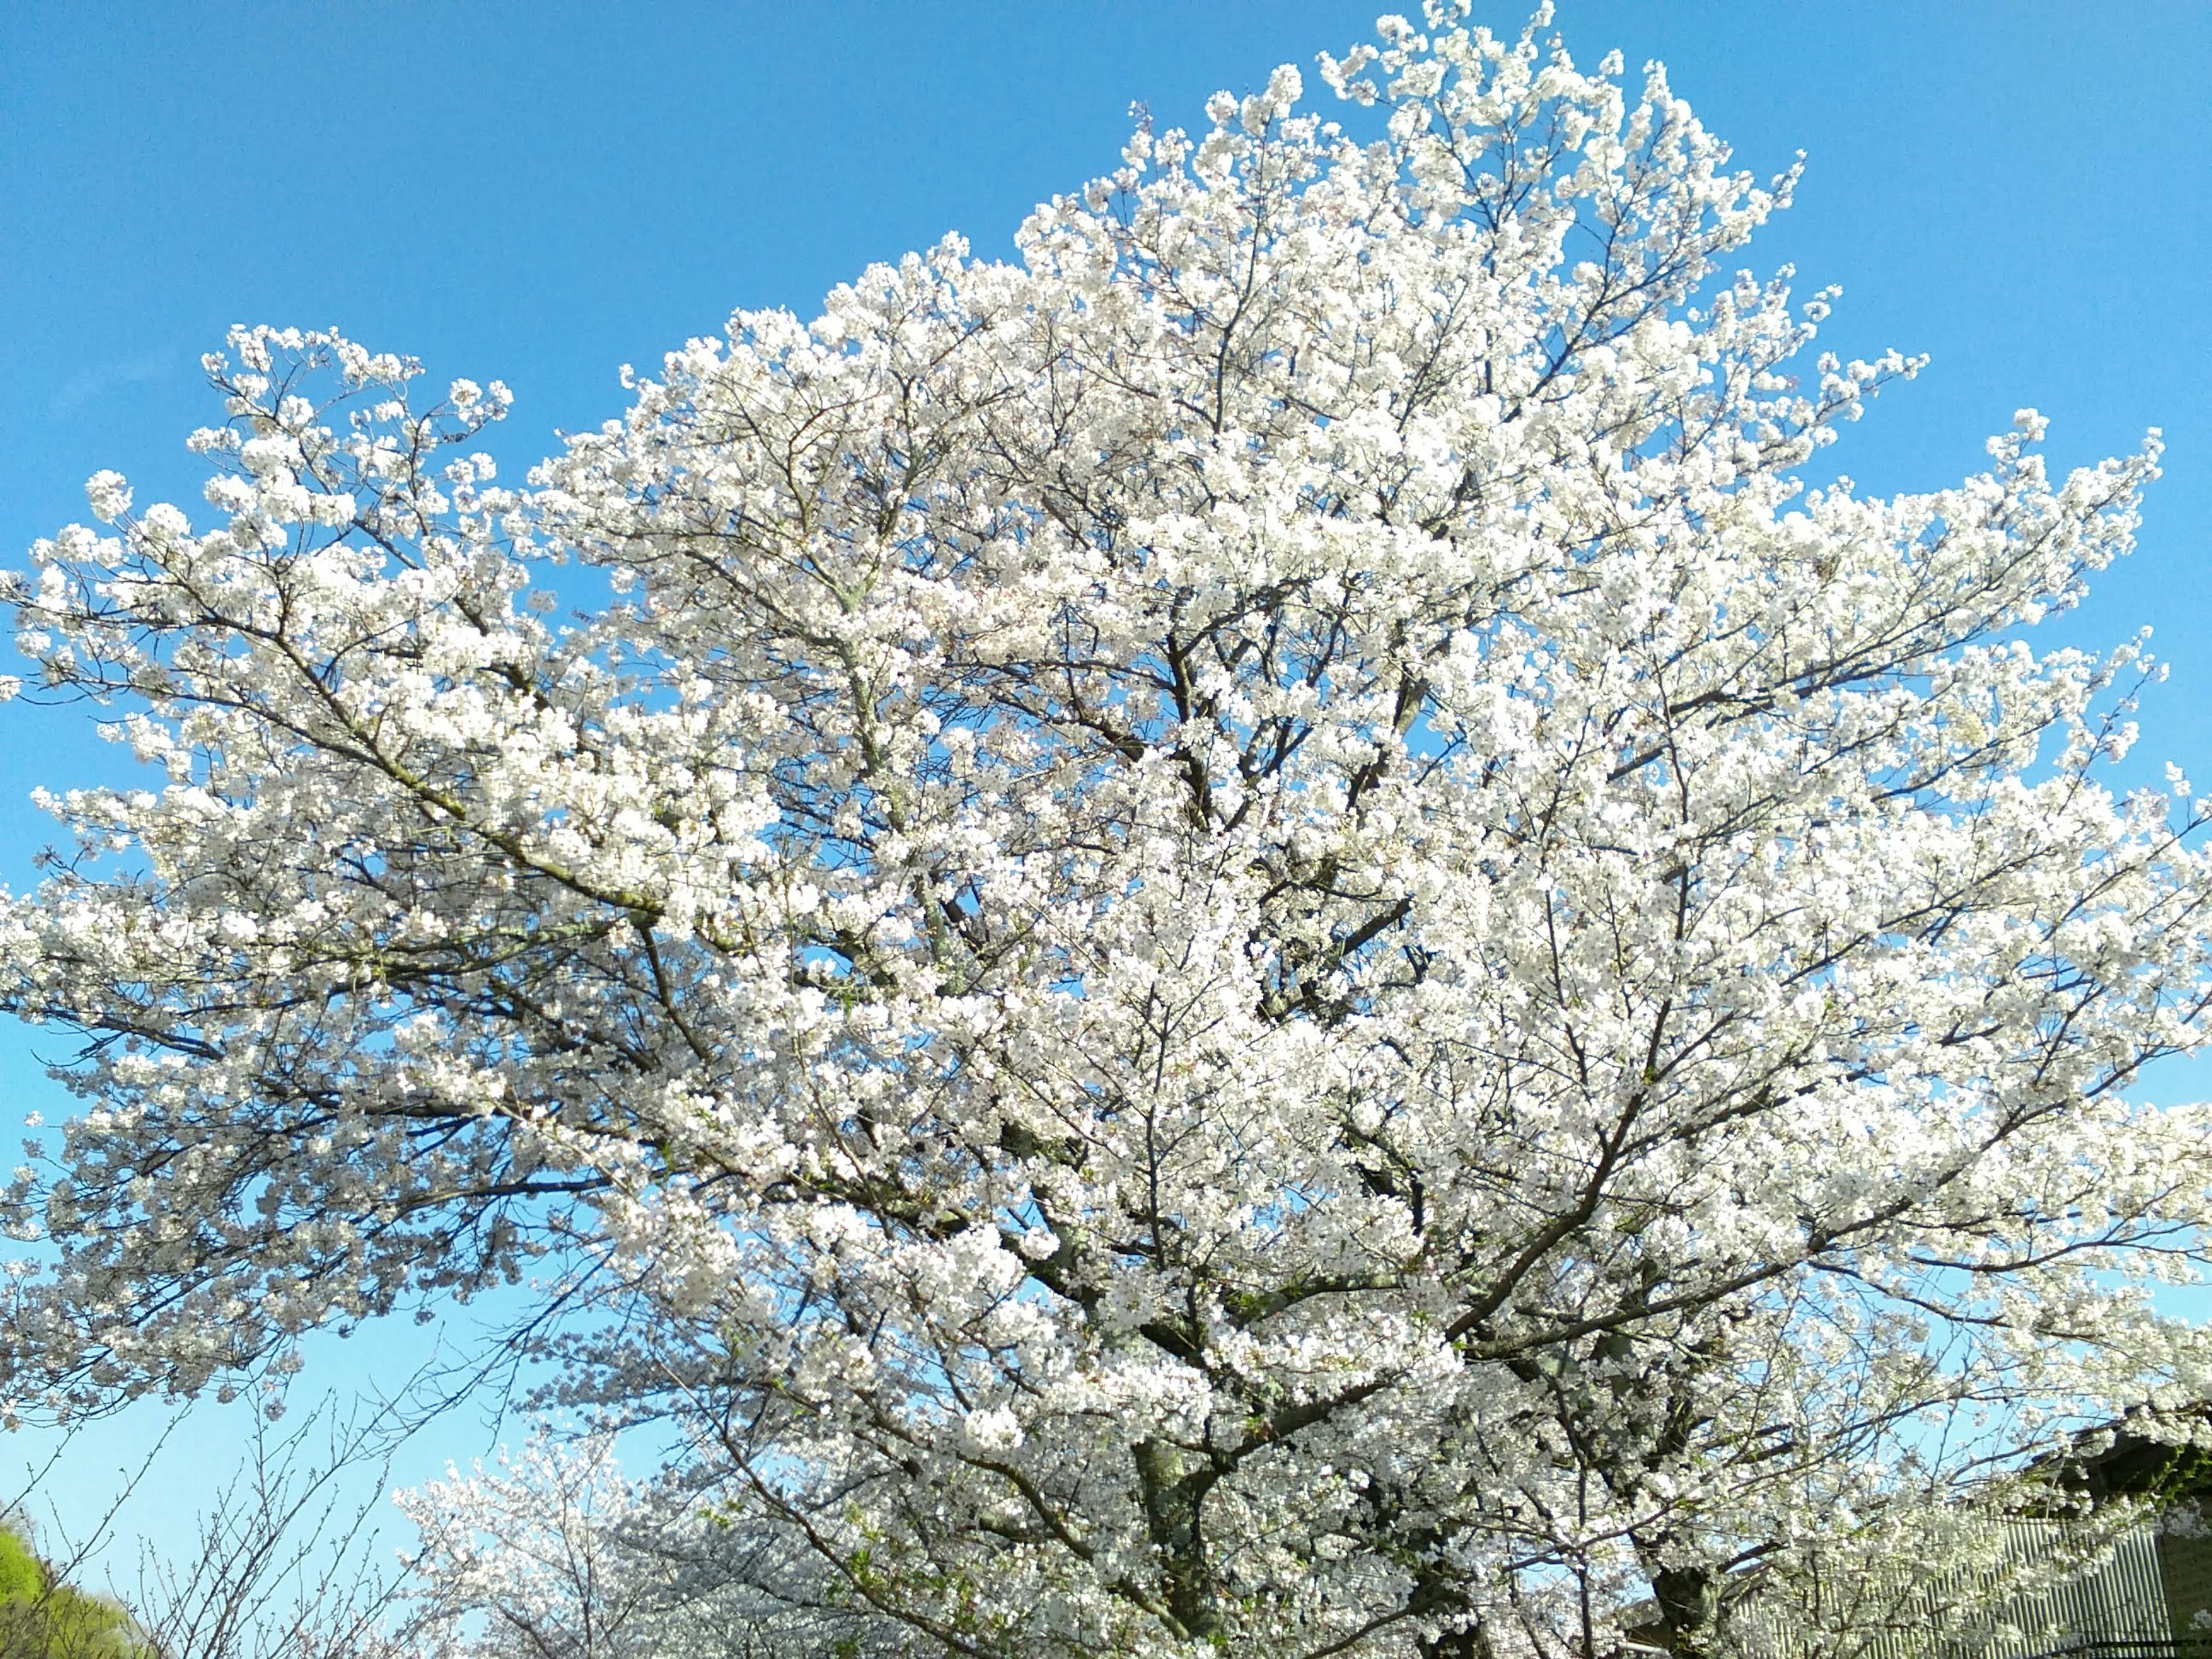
pixel 2027 1600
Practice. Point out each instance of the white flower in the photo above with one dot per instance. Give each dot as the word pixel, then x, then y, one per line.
pixel 992 1429
pixel 110 495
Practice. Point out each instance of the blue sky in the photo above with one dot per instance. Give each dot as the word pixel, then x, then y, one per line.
pixel 543 191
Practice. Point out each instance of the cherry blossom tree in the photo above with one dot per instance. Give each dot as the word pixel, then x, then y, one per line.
pixel 553 1554
pixel 1265 935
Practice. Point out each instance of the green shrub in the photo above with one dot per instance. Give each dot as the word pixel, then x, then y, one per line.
pixel 43 1618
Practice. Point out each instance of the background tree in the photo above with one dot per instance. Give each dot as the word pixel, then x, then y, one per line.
pixel 282 1564
pixel 1258 936
pixel 553 1554
pixel 43 1617
pixel 286 1566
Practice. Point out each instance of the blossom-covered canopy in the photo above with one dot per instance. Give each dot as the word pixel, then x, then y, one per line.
pixel 1256 936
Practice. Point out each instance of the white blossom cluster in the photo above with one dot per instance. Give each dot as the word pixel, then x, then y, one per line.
pixel 1253 938
pixel 552 1554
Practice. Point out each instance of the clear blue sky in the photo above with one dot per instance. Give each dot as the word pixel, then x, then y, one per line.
pixel 541 191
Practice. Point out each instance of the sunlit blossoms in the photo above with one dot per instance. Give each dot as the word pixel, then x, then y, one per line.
pixel 1255 937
